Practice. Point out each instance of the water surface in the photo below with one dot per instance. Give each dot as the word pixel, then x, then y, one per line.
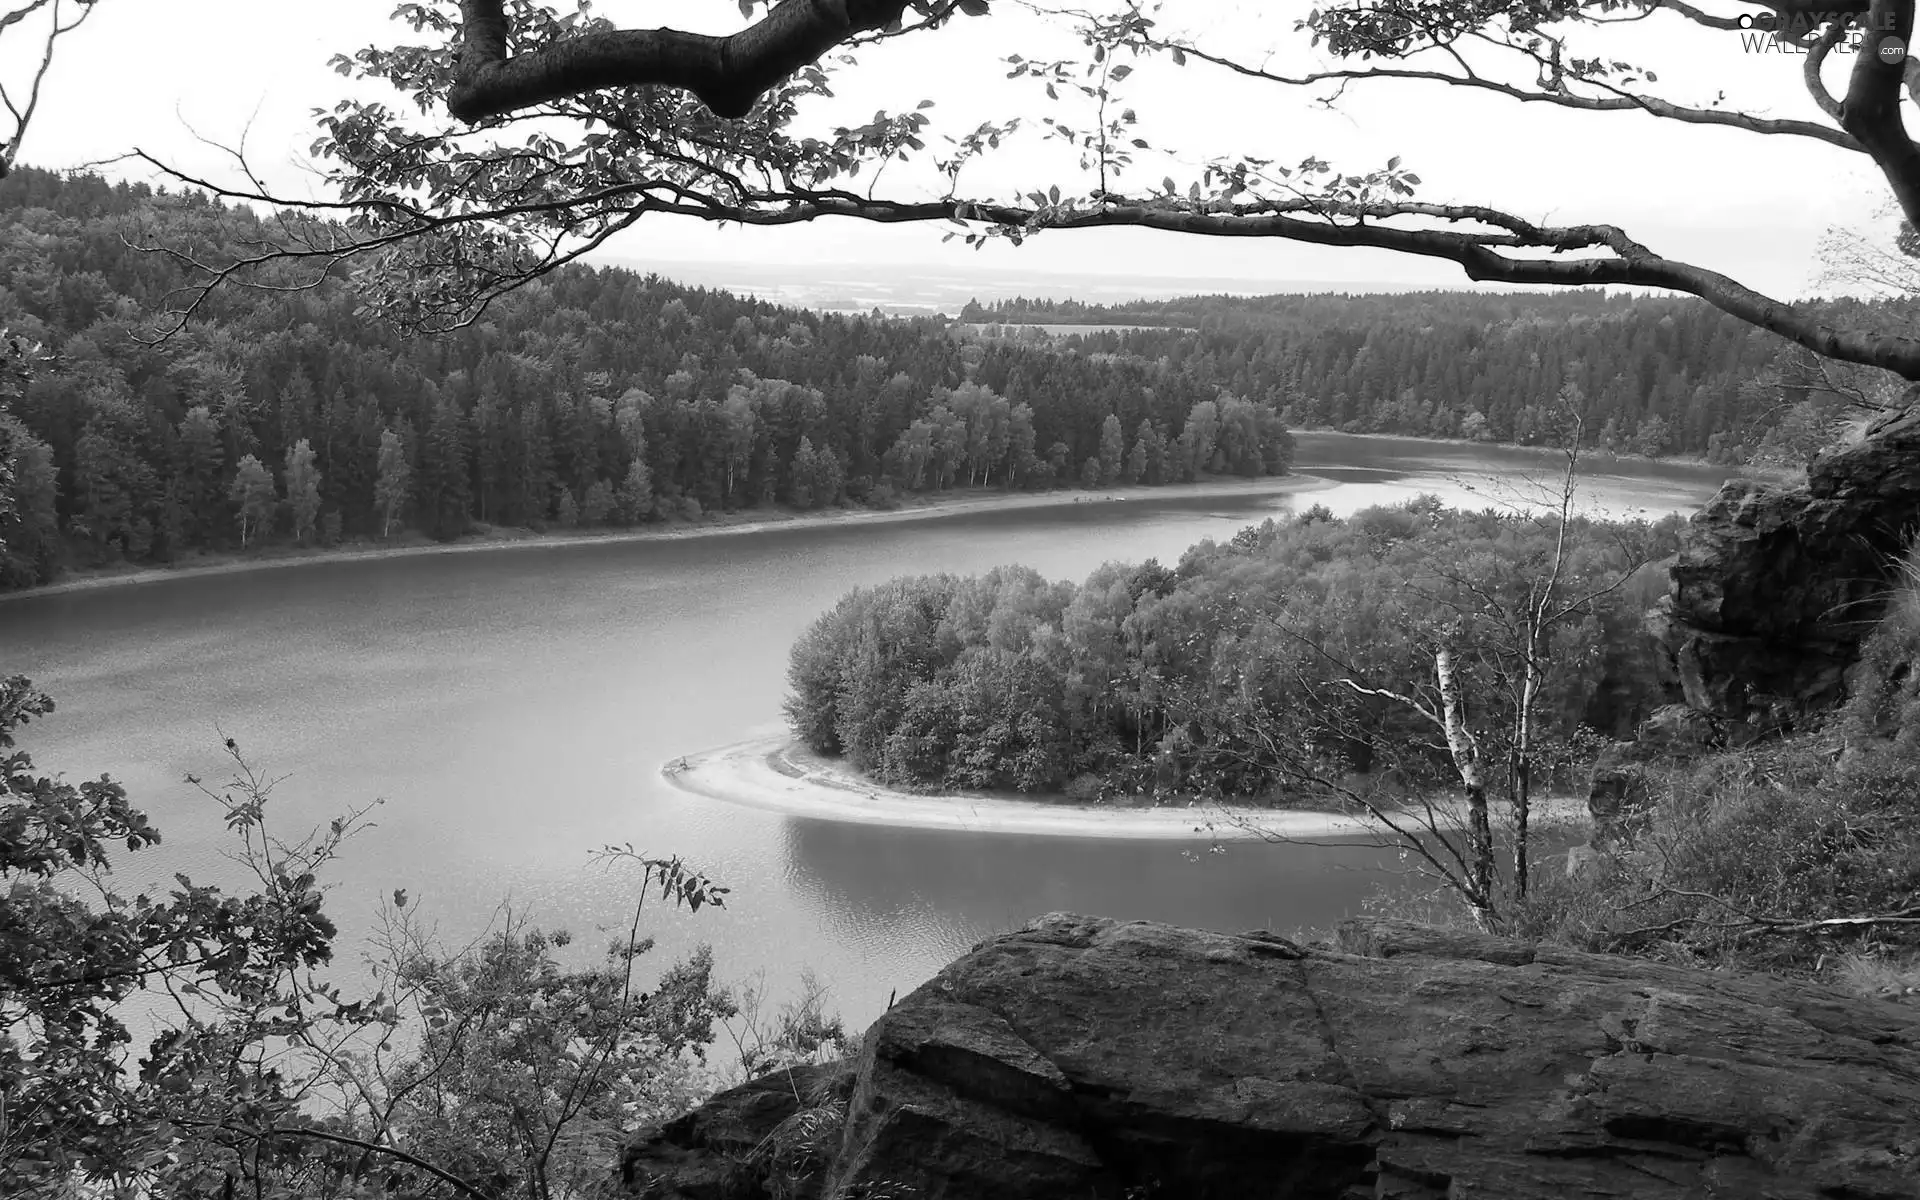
pixel 513 707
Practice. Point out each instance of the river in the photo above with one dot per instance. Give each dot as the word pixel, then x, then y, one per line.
pixel 513 709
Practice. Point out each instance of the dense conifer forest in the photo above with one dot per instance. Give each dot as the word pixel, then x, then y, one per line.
pixel 1653 376
pixel 591 397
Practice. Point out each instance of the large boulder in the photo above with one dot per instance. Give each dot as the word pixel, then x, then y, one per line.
pixel 1091 1058
pixel 1777 586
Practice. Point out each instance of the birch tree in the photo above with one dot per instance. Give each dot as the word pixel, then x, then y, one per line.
pixel 303 489
pixel 254 499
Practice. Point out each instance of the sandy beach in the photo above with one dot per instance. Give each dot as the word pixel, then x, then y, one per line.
pixel 510 539
pixel 774 774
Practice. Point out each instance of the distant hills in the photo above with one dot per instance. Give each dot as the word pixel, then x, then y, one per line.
pixel 926 289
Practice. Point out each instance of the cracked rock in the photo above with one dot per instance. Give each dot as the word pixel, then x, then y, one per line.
pixel 1109 1060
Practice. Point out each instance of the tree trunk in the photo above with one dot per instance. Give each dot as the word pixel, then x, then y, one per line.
pixel 1523 766
pixel 1465 749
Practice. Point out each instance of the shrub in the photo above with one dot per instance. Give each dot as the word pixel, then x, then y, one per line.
pixel 1885 689
pixel 1745 844
pixel 1085 789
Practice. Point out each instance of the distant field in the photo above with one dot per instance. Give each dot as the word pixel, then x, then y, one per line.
pixel 1008 327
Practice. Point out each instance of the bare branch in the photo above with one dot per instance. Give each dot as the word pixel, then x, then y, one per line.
pixel 1810 70
pixel 23 111
pixel 1620 100
pixel 1401 697
pixel 394 1152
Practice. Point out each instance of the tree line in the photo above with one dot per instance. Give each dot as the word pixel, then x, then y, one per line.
pixel 589 397
pixel 1658 375
pixel 1259 669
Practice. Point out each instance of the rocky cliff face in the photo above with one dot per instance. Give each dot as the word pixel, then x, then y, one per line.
pixel 1778 585
pixel 1089 1058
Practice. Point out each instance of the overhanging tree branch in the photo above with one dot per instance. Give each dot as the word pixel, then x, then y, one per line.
pixel 22 109
pixel 728 74
pixel 1871 109
pixel 1619 99
pixel 1488 255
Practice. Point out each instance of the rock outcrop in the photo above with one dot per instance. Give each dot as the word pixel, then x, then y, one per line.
pixel 1619 802
pixel 1090 1058
pixel 1777 586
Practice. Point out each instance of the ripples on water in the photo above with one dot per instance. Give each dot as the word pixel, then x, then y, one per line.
pixel 513 709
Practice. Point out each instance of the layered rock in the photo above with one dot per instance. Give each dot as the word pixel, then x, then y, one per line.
pixel 1777 586
pixel 1085 1057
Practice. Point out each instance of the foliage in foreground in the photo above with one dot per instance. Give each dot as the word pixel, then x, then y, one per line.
pixel 1777 857
pixel 1292 644
pixel 191 1045
pixel 1801 855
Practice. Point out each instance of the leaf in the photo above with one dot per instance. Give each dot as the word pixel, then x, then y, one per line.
pixel 1053 193
pixel 1179 57
pixel 1122 71
pixel 1393 164
pixel 746 8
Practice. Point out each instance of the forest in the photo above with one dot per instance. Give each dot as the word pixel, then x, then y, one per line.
pixel 591 397
pixel 1657 375
pixel 1258 670
pixel 602 397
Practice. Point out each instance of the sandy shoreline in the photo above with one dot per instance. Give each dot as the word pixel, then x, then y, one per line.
pixel 1275 485
pixel 1590 458
pixel 773 774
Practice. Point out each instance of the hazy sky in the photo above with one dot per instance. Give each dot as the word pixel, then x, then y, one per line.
pixel 152 72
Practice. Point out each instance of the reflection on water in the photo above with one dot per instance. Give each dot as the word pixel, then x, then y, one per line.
pixel 967 882
pixel 513 708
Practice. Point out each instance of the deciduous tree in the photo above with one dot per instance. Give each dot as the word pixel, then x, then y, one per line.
pixel 637 122
pixel 255 499
pixel 800 473
pixel 303 490
pixel 598 503
pixel 29 514
pixel 636 493
pixel 490 1072
pixel 1112 450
